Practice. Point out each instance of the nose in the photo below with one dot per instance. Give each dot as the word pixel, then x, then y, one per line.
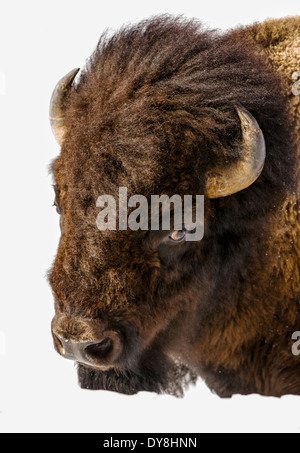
pixel 99 349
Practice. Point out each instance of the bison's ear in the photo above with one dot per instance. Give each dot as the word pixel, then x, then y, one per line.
pixel 57 105
pixel 237 177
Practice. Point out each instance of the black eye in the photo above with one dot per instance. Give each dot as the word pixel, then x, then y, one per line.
pixel 177 235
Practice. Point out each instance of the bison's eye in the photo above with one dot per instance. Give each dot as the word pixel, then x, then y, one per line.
pixel 178 236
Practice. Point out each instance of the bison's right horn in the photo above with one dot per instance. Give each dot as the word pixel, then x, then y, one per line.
pixel 242 174
pixel 56 110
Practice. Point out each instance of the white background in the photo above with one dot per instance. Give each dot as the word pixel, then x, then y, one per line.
pixel 39 42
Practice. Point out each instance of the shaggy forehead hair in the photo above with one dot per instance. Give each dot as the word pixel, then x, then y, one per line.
pixel 154 110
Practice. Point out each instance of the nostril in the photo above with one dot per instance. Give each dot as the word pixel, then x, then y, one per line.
pixel 99 350
pixel 87 343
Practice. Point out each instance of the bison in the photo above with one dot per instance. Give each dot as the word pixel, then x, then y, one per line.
pixel 170 107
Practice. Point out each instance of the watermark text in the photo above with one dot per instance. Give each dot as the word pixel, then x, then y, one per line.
pixel 165 213
pixel 296 345
pixel 296 86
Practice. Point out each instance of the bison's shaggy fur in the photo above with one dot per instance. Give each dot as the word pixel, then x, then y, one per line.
pixel 154 111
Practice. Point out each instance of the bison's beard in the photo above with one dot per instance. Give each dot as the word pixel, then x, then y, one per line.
pixel 156 374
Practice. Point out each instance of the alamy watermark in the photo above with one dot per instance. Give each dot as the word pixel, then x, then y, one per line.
pixel 187 213
pixel 296 345
pixel 296 86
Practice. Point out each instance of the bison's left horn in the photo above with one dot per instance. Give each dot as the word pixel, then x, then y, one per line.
pixel 57 105
pixel 245 172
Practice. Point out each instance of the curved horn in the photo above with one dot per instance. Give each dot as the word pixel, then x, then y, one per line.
pixel 56 110
pixel 246 171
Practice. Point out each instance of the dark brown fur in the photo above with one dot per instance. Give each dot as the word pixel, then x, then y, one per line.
pixel 154 111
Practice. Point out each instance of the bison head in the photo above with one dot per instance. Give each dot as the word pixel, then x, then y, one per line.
pixel 161 108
